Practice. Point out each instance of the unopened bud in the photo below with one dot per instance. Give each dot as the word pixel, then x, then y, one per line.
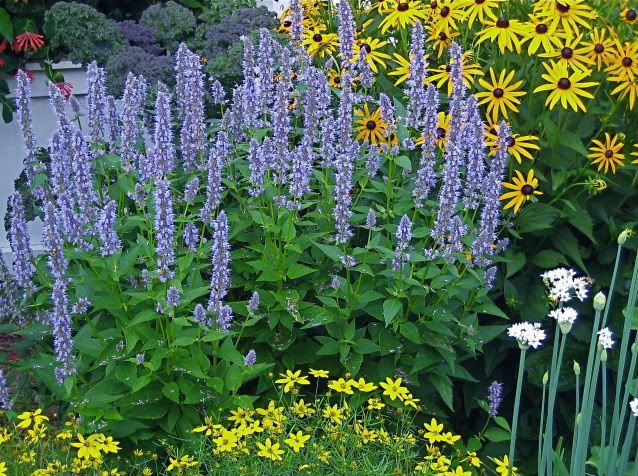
pixel 576 368
pixel 545 378
pixel 565 327
pixel 599 301
pixel 603 356
pixel 626 233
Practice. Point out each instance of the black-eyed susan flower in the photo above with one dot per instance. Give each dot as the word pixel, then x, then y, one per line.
pixel 518 146
pixel 566 88
pixel 624 63
pixel 402 71
pixel 570 15
pixel 627 89
pixel 290 379
pixel 481 10
pixel 370 127
pixel 402 13
pixel 442 128
pixel 441 41
pixel 635 154
pixel 540 32
pixel 607 154
pixel 296 441
pixel 630 15
pixel 600 48
pixel 505 33
pixel 270 450
pixel 374 56
pixel 319 44
pixel 448 14
pixel 523 188
pixel 501 94
pixel 394 389
pixel 441 75
pixel 573 53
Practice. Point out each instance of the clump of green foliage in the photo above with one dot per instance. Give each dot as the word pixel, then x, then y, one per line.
pixel 171 22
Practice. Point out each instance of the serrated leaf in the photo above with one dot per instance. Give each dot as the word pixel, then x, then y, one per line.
pixel 391 307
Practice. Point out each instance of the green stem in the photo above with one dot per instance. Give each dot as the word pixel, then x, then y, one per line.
pixel 626 447
pixel 540 429
pixel 553 386
pixel 517 403
pixel 603 423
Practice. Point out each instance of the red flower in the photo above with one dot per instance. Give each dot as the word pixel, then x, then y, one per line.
pixel 65 89
pixel 27 40
pixel 3 45
pixel 2 63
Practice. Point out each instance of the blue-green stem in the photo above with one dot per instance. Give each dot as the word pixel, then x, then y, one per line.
pixel 603 423
pixel 626 446
pixel 557 357
pixel 517 404
pixel 540 429
pixel 612 285
pixel 586 418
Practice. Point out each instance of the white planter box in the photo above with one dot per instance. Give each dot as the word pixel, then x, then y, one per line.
pixel 11 145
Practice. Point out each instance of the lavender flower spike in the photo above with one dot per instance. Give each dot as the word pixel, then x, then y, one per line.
pixel 418 73
pixel 164 229
pixel 250 358
pixel 220 259
pixel 474 140
pixel 53 241
pixel 84 193
pixel 190 100
pixel 494 397
pixel 214 188
pixel 5 400
pixel 25 120
pixel 111 244
pixel 191 237
pixel 200 316
pixel 426 175
pixel 224 318
pixel 346 33
pixel 96 100
pixel 253 302
pixel 404 236
pixel 8 292
pixel 163 152
pixel 20 243
pixel 296 19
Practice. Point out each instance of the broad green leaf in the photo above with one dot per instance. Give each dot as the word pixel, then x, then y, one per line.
pixel 391 307
pixel 497 435
pixel 443 386
pixel 549 259
pixel 298 270
pixel 171 391
pixel 6 27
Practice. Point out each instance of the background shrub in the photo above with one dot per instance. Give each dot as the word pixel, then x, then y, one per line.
pixel 171 22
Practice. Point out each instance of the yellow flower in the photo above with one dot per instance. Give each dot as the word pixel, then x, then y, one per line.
pixel 445 19
pixel 226 441
pixel 607 154
pixel 501 94
pixel 375 404
pixel 37 433
pixel 5 435
pixel 518 146
pixel 27 457
pixel 318 373
pixel 411 401
pixel 297 441
pixel 566 88
pixel 507 34
pixel 572 53
pixel 635 154
pixel 138 453
pixel 147 471
pixel 3 468
pixel 402 13
pixel 362 385
pixel 458 472
pixel 449 438
pixel 502 466
pixel 442 74
pixel 241 416
pixel 402 71
pixel 290 379
pixel 301 409
pixel 177 464
pixel 64 435
pixel 570 15
pixel 600 48
pixel 434 430
pixel 540 33
pixel 35 417
pixel 627 88
pixel 473 459
pixel 208 428
pixel 441 41
pixel 524 188
pixel 368 436
pixel 341 386
pixel 481 10
pixel 624 63
pixel 272 412
pixel 269 450
pixel 106 444
pixel 333 413
pixel 374 56
pixel 629 14
pixel 324 456
pixel 393 388
pixel 319 44
pixel 87 448
pixel 113 472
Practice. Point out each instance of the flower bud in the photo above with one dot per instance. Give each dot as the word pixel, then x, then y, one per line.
pixel 576 368
pixel 603 356
pixel 599 301
pixel 545 378
pixel 626 233
pixel 565 327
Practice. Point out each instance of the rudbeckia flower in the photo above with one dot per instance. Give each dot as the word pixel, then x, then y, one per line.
pixel 566 88
pixel 506 33
pixel 501 94
pixel 523 189
pixel 607 154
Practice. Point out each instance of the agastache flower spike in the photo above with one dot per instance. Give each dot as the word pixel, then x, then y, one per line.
pixel 257 155
pixel 96 100
pixel 217 93
pixel 201 317
pixel 25 120
pixel 371 219
pixel 53 241
pixel 163 152
pixel 191 104
pixel 253 302
pixel 172 296
pixel 5 400
pixel 214 166
pixel 130 114
pixel 345 31
pixel 474 139
pixel 225 318
pixel 251 102
pixel 60 164
pixel 494 397
pixel 83 179
pixel 296 18
pixel 250 358
pixel 418 73
pixel 70 218
pixel 191 190
pixel 8 291
pixel 191 237
pixel 111 244
pixel 404 236
pixel 426 175
pixel 220 259
pixel 164 229
pixel 20 243
pixel 344 170
pixel 113 121
pixel 387 110
pixel 56 101
pixel 266 68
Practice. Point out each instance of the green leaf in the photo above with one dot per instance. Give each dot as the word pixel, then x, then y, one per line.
pixel 548 259
pixel 6 27
pixel 583 223
pixel 143 316
pixel 403 162
pixel 573 142
pixel 298 270
pixel 391 308
pixel 411 331
pixel 565 241
pixel 443 386
pixel 171 391
pixel 497 435
pixel 536 217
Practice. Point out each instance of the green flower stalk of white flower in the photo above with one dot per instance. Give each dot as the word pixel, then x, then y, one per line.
pixel 540 427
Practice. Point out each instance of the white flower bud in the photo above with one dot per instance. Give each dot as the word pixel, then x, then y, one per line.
pixel 599 301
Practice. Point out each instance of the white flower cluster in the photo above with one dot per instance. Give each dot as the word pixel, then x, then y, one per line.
pixel 527 334
pixel 564 315
pixel 604 338
pixel 634 406
pixel 563 284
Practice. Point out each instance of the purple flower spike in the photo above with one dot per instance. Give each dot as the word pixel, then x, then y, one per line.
pixel 111 244
pixel 404 236
pixel 253 302
pixel 250 358
pixel 220 260
pixel 96 100
pixel 20 243
pixel 494 397
pixel 5 400
pixel 25 120
pixel 225 318
pixel 164 229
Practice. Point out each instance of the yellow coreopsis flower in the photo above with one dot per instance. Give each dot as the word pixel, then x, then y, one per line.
pixel 290 379
pixel 3 468
pixel 393 388
pixel 607 154
pixel 302 409
pixel 362 385
pixel 333 413
pixel 27 418
pixel 270 450
pixel 523 189
pixel 565 88
pixel 226 441
pixel 411 401
pixel 241 416
pixel 502 466
pixel 87 448
pixel 459 471
pixel 501 94
pixel 341 386
pixel 208 428
pixel 375 404
pixel 319 373
pixel 5 435
pixel 434 429
pixel 297 440
pixel 106 444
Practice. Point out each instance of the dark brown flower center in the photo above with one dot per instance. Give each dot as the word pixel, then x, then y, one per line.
pixel 561 7
pixel 287 24
pixel 502 23
pixel 440 132
pixel 511 142
pixel 498 93
pixel 609 153
pixel 527 189
pixel 445 11
pixel 564 83
pixel 442 36
pixel 337 79
pixel 317 37
pixel 371 125
pixel 402 7
pixel 359 28
pixel 630 15
pixel 567 52
pixel 598 48
pixel 627 62
pixel 448 68
pixel 366 47
pixel 541 28
pixel 434 5
pixel 479 2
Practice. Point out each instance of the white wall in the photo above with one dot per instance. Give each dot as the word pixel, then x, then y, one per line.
pixel 11 145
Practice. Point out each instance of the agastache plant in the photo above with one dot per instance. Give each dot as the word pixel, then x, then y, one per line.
pixel 20 243
pixel 220 260
pixel 164 229
pixel 25 120
pixel 96 100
